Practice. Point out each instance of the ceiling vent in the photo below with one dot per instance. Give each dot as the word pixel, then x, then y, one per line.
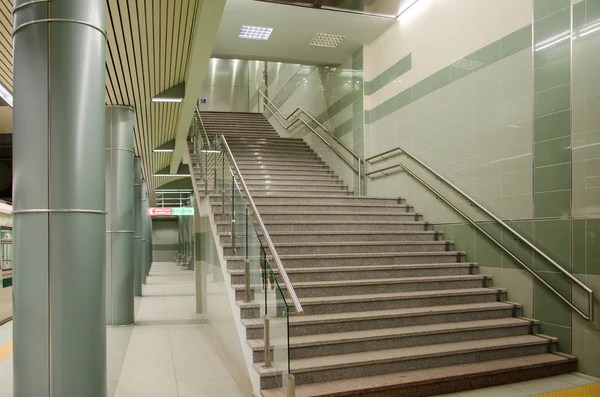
pixel 326 40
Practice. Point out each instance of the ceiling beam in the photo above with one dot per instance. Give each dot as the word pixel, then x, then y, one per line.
pixel 203 39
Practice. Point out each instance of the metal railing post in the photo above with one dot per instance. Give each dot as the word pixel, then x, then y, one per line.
pixel 233 244
pixel 247 281
pixel 223 202
pixel 291 385
pixel 267 342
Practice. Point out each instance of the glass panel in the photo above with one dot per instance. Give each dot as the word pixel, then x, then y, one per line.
pixel 6 249
pixel 278 312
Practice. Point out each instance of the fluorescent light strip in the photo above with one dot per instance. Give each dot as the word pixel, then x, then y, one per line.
pixel 175 100
pixel 163 150
pixel 7 96
pixel 210 151
pixel 255 32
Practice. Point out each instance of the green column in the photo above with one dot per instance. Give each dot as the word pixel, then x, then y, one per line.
pixel 137 221
pixel 59 199
pixel 119 220
pixel 144 213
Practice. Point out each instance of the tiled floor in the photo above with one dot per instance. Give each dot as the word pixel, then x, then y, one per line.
pixel 168 353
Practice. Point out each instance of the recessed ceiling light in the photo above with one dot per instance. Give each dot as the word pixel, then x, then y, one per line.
pixel 326 40
pixel 255 33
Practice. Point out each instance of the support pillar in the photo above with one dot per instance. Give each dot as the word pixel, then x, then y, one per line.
pixel 145 217
pixel 119 220
pixel 59 199
pixel 137 221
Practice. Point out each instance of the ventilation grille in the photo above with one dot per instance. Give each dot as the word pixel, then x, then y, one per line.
pixel 326 40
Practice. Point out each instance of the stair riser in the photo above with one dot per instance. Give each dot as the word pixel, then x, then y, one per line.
pixel 390 304
pixel 358 249
pixel 262 184
pixel 404 217
pixel 281 173
pixel 245 164
pixel 297 227
pixel 401 342
pixel 379 323
pixel 250 151
pixel 313 292
pixel 409 365
pixel 290 263
pixel 341 238
pixel 349 307
pixel 333 209
pixel 294 189
pixel 325 200
pixel 289 178
pixel 367 275
pixel 273 155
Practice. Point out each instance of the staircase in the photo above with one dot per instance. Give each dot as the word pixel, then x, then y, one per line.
pixel 392 309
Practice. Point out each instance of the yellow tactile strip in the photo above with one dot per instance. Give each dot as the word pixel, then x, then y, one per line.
pixel 591 390
pixel 6 350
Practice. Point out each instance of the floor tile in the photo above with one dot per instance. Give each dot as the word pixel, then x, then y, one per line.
pixel 147 389
pixel 541 386
pixel 219 387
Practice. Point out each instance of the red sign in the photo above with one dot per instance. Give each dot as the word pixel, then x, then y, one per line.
pixel 160 211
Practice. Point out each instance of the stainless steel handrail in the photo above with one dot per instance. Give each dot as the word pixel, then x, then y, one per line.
pixel 265 233
pixel 203 129
pixel 589 291
pixel 289 125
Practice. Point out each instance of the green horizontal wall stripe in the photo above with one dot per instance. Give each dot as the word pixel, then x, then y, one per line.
pixel 389 75
pixel 7 282
pixel 165 247
pixel 506 46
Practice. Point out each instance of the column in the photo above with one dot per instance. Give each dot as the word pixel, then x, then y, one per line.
pixel 59 199
pixel 144 214
pixel 119 220
pixel 137 221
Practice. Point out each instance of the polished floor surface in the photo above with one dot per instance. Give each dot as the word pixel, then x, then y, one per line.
pixel 169 353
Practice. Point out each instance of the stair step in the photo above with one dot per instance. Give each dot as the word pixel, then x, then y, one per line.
pixel 263 178
pixel 344 366
pixel 277 183
pixel 363 247
pixel 342 273
pixel 345 208
pixel 318 199
pixel 379 285
pixel 393 318
pixel 441 380
pixel 277 226
pixel 398 338
pixel 341 236
pixel 340 216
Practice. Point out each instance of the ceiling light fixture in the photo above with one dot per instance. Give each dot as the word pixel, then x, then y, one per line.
pixel 326 40
pixel 155 99
pixel 7 96
pixel 163 150
pixel 255 33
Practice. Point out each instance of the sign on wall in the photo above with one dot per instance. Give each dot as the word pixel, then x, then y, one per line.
pixel 167 211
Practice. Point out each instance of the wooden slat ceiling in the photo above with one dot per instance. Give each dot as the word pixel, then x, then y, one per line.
pixel 147 52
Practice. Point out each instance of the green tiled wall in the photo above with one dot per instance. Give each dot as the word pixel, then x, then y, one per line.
pixel 389 75
pixel 552 105
pixel 562 160
pixel 488 55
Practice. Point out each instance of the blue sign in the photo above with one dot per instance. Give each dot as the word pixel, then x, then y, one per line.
pixel 203 101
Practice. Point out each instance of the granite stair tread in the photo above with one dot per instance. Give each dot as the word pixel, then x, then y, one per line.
pixel 411 353
pixel 459 377
pixel 394 313
pixel 381 333
pixel 324 269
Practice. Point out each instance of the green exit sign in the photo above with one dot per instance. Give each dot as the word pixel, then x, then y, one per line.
pixel 182 211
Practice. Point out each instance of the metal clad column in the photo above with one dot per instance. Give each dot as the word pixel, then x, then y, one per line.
pixel 137 220
pixel 59 199
pixel 144 214
pixel 119 221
